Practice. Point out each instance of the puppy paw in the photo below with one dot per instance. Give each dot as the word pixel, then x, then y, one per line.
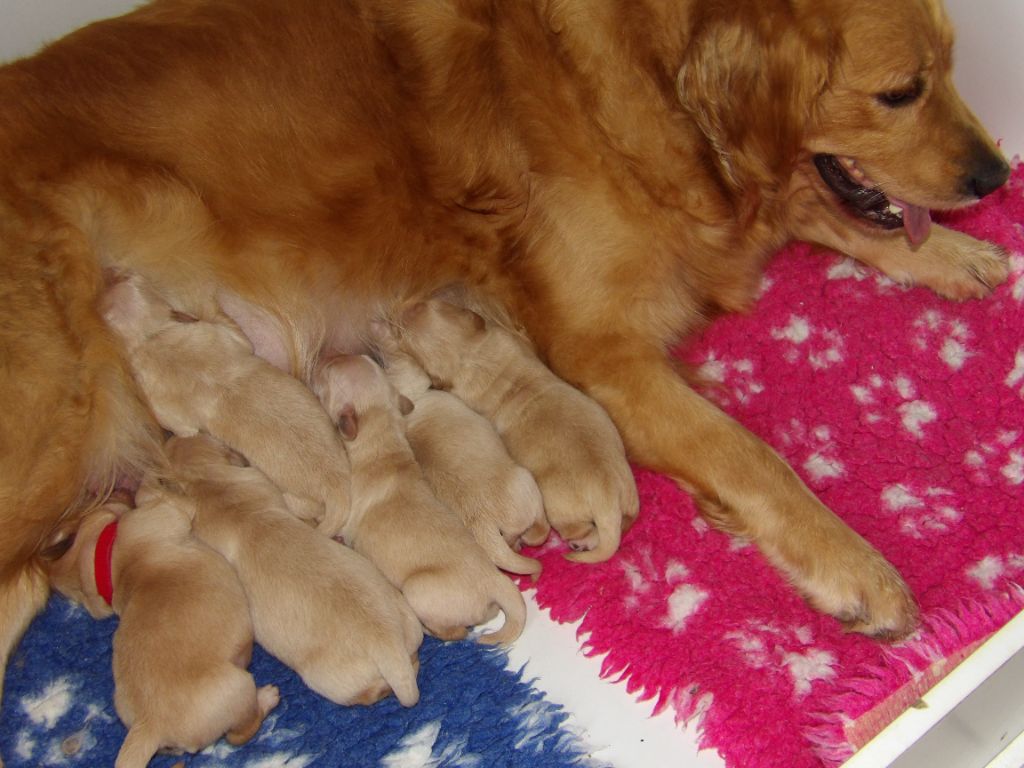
pixel 535 535
pixel 267 697
pixel 579 536
pixel 448 634
pixel 372 694
pixel 593 542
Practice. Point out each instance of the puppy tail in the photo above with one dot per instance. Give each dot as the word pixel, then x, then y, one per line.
pixel 511 602
pixel 400 674
pixel 138 748
pixel 502 555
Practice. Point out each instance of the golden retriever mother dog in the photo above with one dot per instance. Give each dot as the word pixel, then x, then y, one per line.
pixel 602 174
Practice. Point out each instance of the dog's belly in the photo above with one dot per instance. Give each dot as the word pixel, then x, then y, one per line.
pixel 324 301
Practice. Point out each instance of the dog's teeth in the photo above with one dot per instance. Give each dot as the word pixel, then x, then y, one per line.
pixel 895 209
pixel 852 169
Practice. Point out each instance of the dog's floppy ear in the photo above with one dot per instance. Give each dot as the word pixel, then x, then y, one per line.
pixel 751 79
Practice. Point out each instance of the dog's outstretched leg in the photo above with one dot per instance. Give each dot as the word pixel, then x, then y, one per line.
pixel 746 487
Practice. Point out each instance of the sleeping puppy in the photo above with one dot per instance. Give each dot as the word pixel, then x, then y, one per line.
pixel 468 467
pixel 306 592
pixel 398 523
pixel 200 375
pixel 180 689
pixel 562 436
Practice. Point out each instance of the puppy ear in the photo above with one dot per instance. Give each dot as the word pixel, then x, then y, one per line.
pixel 348 422
pixel 236 459
pixel 183 317
pixel 405 405
pixel 380 329
pixel 57 548
pixel 751 81
pixel 478 322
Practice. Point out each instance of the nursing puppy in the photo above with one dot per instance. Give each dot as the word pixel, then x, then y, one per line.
pixel 200 375
pixel 468 467
pixel 184 638
pixel 316 605
pixel 398 523
pixel 562 436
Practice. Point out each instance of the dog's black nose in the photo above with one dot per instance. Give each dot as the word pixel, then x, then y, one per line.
pixel 987 174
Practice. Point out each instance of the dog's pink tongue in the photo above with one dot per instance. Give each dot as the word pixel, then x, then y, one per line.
pixel 917 222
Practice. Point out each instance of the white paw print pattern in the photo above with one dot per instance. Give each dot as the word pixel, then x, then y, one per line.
pixel 992 569
pixel 921 513
pixel 813 449
pixel 1015 377
pixel 821 347
pixel 51 704
pixel 950 338
pixel 46 710
pixel 731 381
pixel 784 650
pixel 684 598
pixel 914 414
pixel 850 269
pixel 999 459
pixel 1016 280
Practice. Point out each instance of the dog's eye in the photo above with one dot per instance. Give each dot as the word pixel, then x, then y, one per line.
pixel 900 97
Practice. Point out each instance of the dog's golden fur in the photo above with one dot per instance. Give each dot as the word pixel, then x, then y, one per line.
pixel 605 173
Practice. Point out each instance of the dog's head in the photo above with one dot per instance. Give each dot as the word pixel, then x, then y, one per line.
pixel 133 309
pixel 440 335
pixel 858 92
pixel 69 561
pixel 347 385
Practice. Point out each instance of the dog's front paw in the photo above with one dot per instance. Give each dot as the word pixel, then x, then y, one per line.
pixel 966 268
pixel 866 593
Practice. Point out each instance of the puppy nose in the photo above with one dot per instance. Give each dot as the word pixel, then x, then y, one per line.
pixel 988 174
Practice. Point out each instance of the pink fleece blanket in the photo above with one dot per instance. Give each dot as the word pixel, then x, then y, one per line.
pixel 905 414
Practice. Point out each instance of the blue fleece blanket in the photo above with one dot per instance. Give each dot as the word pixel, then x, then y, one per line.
pixel 473 713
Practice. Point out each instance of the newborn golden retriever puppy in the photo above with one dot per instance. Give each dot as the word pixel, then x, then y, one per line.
pixel 200 375
pixel 397 522
pixel 608 175
pixel 184 637
pixel 468 467
pixel 316 605
pixel 562 436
